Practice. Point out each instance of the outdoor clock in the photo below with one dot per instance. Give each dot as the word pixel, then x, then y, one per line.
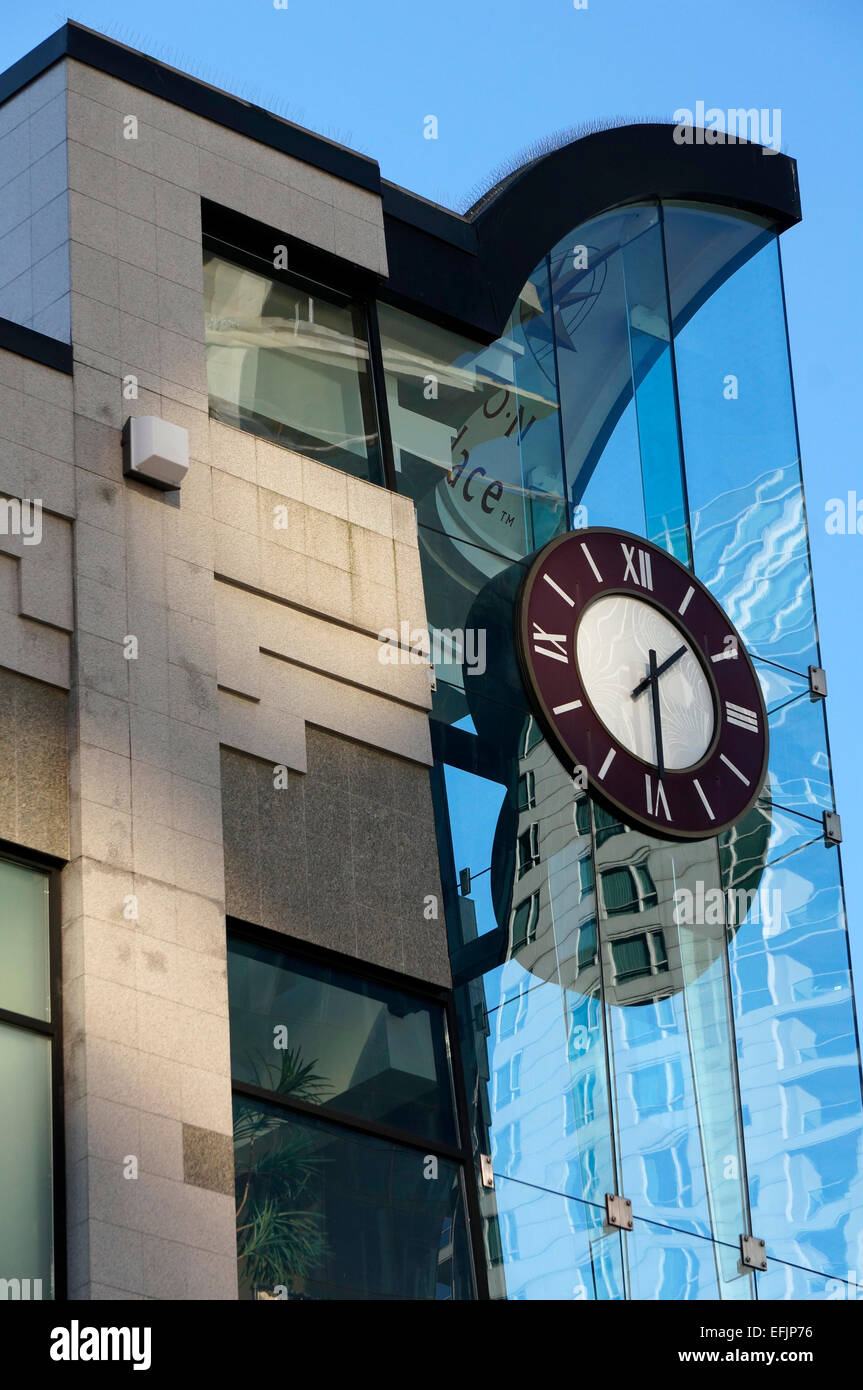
pixel 636 674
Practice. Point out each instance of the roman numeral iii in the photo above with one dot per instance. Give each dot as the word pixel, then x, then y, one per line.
pixel 743 718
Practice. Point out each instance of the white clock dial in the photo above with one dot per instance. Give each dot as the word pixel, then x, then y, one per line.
pixel 615 637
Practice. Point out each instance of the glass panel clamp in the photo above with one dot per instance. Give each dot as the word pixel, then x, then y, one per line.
pixel 618 1212
pixel 753 1253
pixel 817 683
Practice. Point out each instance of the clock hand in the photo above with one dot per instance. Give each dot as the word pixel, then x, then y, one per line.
pixel 660 670
pixel 653 682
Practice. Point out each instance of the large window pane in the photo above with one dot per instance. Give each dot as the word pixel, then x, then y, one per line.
pixel 324 1213
pixel 326 1037
pixel 290 364
pixel 26 1200
pixel 24 971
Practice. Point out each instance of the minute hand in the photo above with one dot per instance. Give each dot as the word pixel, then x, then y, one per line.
pixel 648 680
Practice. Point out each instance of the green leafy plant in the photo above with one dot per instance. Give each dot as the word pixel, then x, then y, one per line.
pixel 280 1234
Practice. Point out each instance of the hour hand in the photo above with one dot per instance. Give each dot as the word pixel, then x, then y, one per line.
pixel 648 680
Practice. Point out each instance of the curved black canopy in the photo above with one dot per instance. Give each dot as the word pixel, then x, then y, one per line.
pixel 468 270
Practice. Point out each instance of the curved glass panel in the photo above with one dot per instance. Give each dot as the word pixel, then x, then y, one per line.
pixel 739 431
pixel 799 1065
pixel 616 377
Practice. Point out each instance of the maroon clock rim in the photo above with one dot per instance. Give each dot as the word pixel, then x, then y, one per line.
pixel 564 749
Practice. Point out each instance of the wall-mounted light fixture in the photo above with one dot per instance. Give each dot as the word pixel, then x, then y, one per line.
pixel 155 451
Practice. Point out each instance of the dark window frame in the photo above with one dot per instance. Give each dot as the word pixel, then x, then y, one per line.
pixel 527 785
pixel 249 243
pixel 527 850
pixel 50 865
pixel 532 903
pixel 657 964
pixel 460 1153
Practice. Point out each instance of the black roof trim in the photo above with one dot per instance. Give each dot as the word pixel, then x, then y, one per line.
pixel 33 64
pixel 476 279
pixel 26 342
pixel 438 221
pixel 466 271
pixel 139 70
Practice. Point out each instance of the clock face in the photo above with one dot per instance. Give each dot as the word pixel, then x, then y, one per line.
pixel 637 674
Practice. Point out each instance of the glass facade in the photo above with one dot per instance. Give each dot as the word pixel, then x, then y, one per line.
pixel 706 1066
pixel 707 1069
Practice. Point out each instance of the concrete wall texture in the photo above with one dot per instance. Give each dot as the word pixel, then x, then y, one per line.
pixel 149 765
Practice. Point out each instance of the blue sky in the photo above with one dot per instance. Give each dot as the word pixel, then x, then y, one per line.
pixel 499 75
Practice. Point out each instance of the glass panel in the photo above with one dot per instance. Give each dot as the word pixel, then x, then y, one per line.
pixel 766 835
pixel 778 684
pixel 543 1009
pixel 676 1266
pixel 290 365
pixel 613 494
pixel 652 374
pixel 474 805
pixel 323 1213
pixel 616 378
pixel 595 368
pixel 469 607
pixel 662 924
pixel 786 1282
pixel 739 433
pixel 25 986
pixel 799 771
pixel 554 1132
pixel 799 1065
pixel 552 1247
pixel 476 438
pixel 475 430
pixel 325 1037
pixel 26 1182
